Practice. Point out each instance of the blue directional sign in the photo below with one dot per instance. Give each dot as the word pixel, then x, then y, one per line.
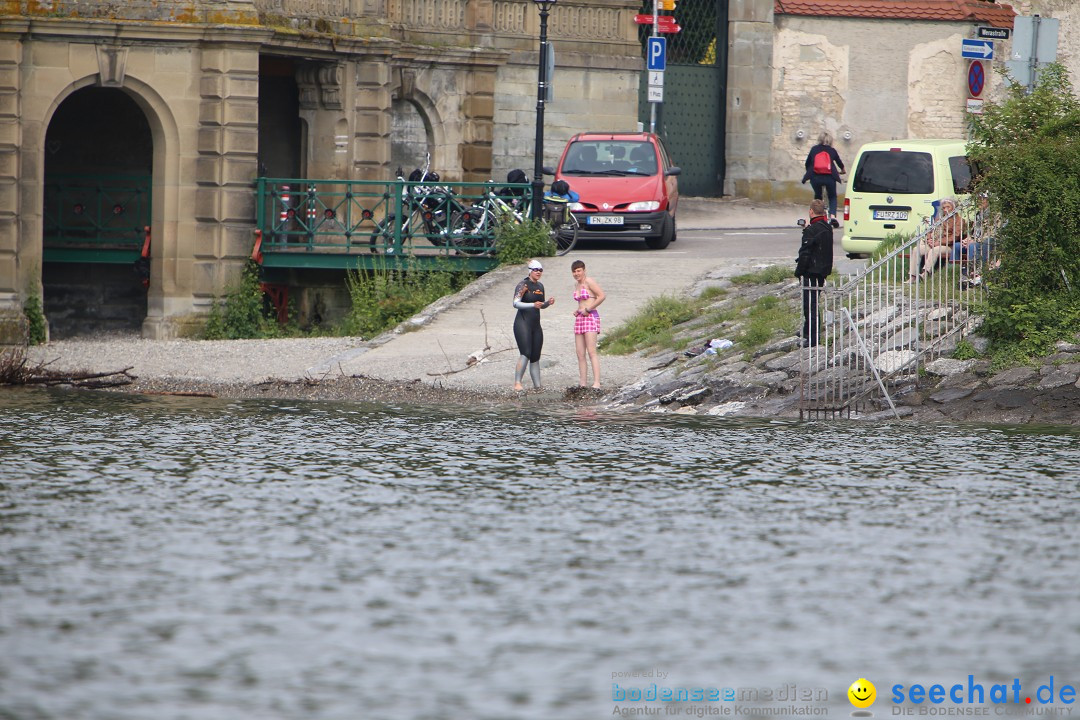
pixel 980 49
pixel 657 53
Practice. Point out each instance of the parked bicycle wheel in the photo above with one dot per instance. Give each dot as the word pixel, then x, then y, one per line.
pixel 472 231
pixel 565 235
pixel 382 238
pixel 564 226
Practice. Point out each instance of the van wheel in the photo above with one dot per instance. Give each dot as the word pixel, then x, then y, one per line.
pixel 667 234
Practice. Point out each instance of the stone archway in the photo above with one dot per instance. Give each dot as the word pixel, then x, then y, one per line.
pixel 97 204
pixel 411 136
pixel 170 269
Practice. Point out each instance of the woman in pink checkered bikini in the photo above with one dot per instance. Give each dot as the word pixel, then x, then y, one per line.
pixel 586 323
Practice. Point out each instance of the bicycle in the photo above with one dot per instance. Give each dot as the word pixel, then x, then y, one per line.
pixel 473 230
pixel 426 209
pixel 564 224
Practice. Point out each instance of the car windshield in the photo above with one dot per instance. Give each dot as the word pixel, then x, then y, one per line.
pixel 887 171
pixel 610 157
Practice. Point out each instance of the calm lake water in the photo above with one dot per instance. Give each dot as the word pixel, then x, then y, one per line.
pixel 192 558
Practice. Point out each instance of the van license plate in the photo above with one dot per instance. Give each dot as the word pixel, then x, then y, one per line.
pixel 890 214
pixel 605 220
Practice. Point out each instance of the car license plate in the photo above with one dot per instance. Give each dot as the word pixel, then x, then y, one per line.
pixel 605 220
pixel 890 214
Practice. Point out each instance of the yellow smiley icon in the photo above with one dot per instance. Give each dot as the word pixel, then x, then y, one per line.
pixel 862 693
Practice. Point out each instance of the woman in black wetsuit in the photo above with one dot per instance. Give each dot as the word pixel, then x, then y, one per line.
pixel 529 300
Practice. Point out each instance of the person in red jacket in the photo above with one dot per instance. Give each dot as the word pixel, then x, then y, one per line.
pixel 823 170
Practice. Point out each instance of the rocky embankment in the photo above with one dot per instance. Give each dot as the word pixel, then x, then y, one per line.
pixel 766 382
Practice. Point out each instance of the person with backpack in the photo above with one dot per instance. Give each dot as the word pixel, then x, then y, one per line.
pixel 823 169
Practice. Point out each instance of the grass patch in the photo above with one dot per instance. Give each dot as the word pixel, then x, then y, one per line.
pixel 656 326
pixel 652 326
pixel 765 319
pixel 766 276
pixel 712 293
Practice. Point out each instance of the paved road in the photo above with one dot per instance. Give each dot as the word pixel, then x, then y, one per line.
pixel 630 274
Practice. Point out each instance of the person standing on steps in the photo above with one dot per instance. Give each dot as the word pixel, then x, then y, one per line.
pixel 529 300
pixel 812 267
pixel 589 295
pixel 823 170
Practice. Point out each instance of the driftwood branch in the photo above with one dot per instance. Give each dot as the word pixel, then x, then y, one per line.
pixel 467 367
pixel 15 369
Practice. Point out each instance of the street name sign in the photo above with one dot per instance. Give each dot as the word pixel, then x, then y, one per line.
pixel 992 33
pixel 978 49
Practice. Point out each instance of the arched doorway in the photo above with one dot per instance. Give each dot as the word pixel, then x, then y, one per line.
pixel 98 166
pixel 410 137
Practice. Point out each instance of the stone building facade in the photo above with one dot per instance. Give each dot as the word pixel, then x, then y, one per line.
pixel 864 70
pixel 203 97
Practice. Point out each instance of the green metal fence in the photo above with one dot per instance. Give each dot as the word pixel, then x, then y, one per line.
pixel 95 218
pixel 365 223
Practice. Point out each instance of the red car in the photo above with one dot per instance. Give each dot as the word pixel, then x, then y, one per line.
pixel 627 183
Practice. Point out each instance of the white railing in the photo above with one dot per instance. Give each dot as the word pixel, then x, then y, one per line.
pixel 878 326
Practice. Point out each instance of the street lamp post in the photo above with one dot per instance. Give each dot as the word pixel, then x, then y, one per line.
pixel 541 92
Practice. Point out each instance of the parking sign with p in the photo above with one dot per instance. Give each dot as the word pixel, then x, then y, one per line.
pixel 657 53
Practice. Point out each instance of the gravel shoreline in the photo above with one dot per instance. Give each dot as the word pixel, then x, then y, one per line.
pixel 281 369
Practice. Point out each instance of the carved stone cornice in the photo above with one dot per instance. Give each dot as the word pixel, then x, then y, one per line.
pixel 330 79
pixel 308 84
pixel 320 85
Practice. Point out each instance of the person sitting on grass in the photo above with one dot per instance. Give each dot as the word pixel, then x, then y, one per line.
pixel 975 248
pixel 938 242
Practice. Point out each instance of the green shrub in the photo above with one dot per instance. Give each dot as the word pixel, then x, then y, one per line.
pixel 383 297
pixel 35 318
pixel 1027 149
pixel 244 312
pixel 965 351
pixel 516 242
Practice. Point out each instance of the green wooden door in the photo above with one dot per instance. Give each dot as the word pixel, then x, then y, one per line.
pixel 691 117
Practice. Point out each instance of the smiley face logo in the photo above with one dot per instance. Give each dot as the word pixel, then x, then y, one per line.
pixel 862 693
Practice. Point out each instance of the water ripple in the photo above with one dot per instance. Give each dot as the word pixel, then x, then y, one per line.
pixel 182 557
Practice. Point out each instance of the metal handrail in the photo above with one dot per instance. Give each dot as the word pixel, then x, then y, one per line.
pixel 95 210
pixel 877 326
pixel 391 217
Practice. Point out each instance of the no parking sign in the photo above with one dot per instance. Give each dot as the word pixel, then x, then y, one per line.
pixel 976 78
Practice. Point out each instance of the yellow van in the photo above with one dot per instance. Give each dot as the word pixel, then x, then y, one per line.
pixel 895 184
